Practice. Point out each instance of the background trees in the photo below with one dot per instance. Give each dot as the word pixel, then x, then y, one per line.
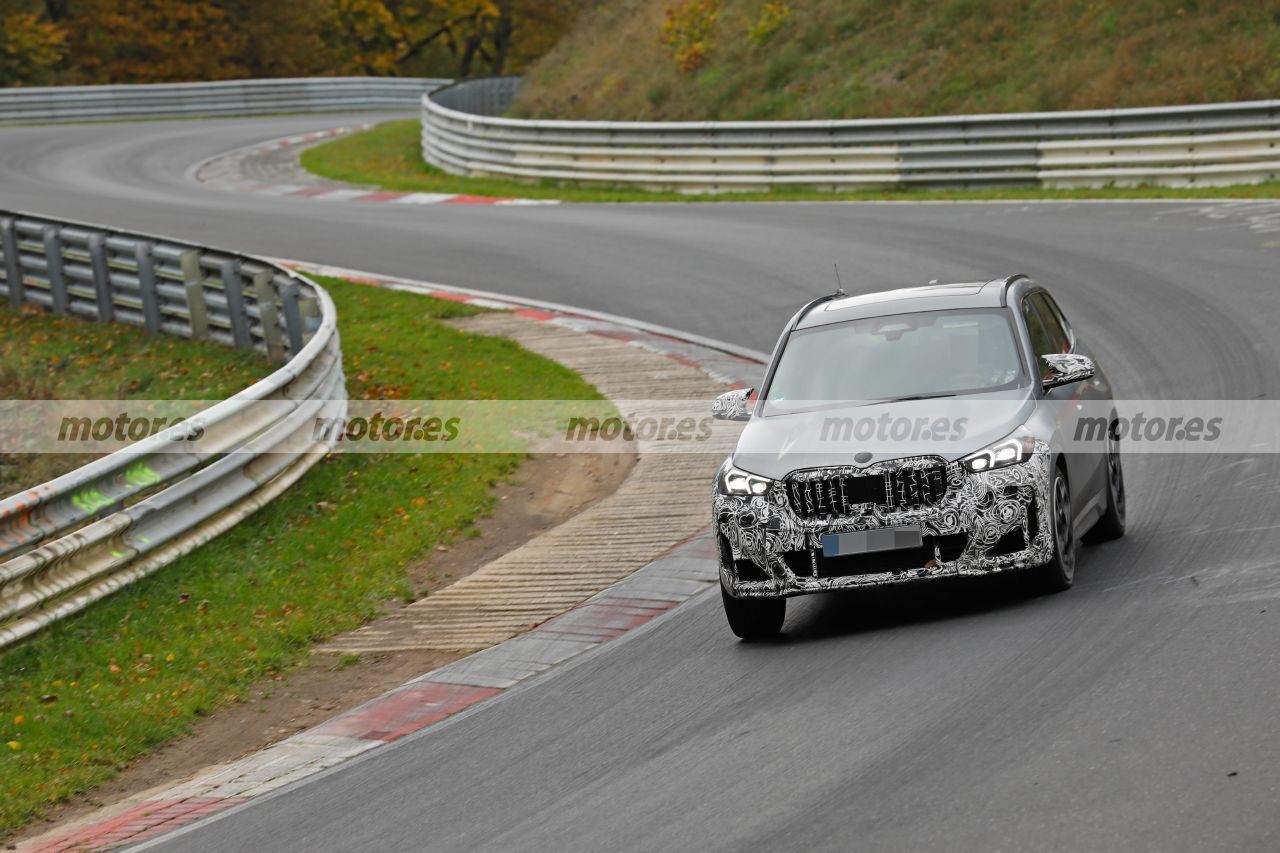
pixel 147 41
pixel 31 48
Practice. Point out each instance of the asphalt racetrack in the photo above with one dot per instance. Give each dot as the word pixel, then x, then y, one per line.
pixel 1140 710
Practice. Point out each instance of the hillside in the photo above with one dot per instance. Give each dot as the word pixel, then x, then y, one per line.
pixel 793 59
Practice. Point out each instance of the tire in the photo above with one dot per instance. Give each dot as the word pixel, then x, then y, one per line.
pixel 1060 572
pixel 1111 525
pixel 754 618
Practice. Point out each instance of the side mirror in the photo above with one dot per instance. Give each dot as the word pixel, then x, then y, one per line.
pixel 1065 368
pixel 732 405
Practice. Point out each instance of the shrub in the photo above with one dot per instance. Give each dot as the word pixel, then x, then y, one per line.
pixel 772 16
pixel 687 31
pixel 30 49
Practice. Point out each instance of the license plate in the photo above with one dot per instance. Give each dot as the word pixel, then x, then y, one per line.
pixel 868 541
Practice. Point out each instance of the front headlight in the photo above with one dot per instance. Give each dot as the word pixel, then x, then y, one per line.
pixel 1013 449
pixel 735 481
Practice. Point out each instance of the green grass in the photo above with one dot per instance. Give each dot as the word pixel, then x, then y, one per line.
pixel 71 358
pixel 388 156
pixel 92 693
pixel 43 357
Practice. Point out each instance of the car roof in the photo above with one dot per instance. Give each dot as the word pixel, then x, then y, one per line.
pixel 929 297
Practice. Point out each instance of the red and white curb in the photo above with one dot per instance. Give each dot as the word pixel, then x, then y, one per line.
pixel 225 172
pixel 688 569
pixel 685 571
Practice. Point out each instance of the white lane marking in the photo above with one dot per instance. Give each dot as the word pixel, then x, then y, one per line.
pixel 340 195
pixel 278 189
pixel 423 198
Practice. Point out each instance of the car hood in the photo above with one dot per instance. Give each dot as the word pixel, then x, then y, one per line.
pixel 860 434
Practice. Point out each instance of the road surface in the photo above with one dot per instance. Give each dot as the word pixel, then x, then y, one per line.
pixel 1138 710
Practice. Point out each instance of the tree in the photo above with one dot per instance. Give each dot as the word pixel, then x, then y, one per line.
pixel 516 33
pixel 450 37
pixel 152 41
pixel 30 49
pixel 382 36
pixel 536 27
pixel 280 39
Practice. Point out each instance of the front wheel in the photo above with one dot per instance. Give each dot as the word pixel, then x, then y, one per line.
pixel 754 618
pixel 1111 525
pixel 1059 573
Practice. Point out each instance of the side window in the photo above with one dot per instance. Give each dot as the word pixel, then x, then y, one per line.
pixel 1041 343
pixel 1054 323
pixel 1057 312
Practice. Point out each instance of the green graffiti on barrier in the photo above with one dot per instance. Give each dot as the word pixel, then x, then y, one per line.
pixel 91 500
pixel 139 474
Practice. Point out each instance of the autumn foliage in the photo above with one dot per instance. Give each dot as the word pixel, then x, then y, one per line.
pixel 44 42
pixel 687 31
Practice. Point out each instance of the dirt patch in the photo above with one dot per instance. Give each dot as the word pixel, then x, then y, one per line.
pixel 544 492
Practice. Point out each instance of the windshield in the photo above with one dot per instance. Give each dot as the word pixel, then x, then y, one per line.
pixel 928 354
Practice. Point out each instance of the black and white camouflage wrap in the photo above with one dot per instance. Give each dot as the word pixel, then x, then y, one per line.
pixel 731 405
pixel 985 505
pixel 1067 367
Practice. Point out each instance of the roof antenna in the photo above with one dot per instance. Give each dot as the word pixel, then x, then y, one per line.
pixel 839 286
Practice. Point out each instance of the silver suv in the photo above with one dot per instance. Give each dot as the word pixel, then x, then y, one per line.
pixel 908 435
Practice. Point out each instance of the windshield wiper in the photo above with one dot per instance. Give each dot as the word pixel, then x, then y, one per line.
pixel 914 397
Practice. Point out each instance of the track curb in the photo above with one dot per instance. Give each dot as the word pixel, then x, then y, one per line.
pixel 226 172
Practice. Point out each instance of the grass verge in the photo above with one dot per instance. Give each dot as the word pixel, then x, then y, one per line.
pixel 90 694
pixel 388 156
pixel 43 357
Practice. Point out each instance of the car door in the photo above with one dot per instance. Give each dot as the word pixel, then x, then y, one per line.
pixel 1095 393
pixel 1048 335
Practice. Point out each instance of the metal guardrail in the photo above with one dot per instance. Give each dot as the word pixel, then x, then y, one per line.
pixel 79 537
pixel 223 97
pixel 464 133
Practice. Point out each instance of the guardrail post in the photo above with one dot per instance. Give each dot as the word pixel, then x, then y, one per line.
pixel 101 277
pixel 147 286
pixel 309 307
pixel 292 316
pixel 264 293
pixel 193 281
pixel 53 260
pixel 12 267
pixel 232 288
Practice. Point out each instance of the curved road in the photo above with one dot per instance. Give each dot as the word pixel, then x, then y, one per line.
pixel 1139 710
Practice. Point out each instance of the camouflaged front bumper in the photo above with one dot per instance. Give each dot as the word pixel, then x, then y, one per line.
pixel 986 506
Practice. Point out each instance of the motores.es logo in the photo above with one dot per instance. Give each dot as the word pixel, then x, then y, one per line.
pixel 687 428
pixel 125 427
pixel 889 428
pixel 381 427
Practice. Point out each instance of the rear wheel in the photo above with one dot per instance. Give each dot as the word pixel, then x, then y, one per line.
pixel 1060 572
pixel 754 618
pixel 1111 525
